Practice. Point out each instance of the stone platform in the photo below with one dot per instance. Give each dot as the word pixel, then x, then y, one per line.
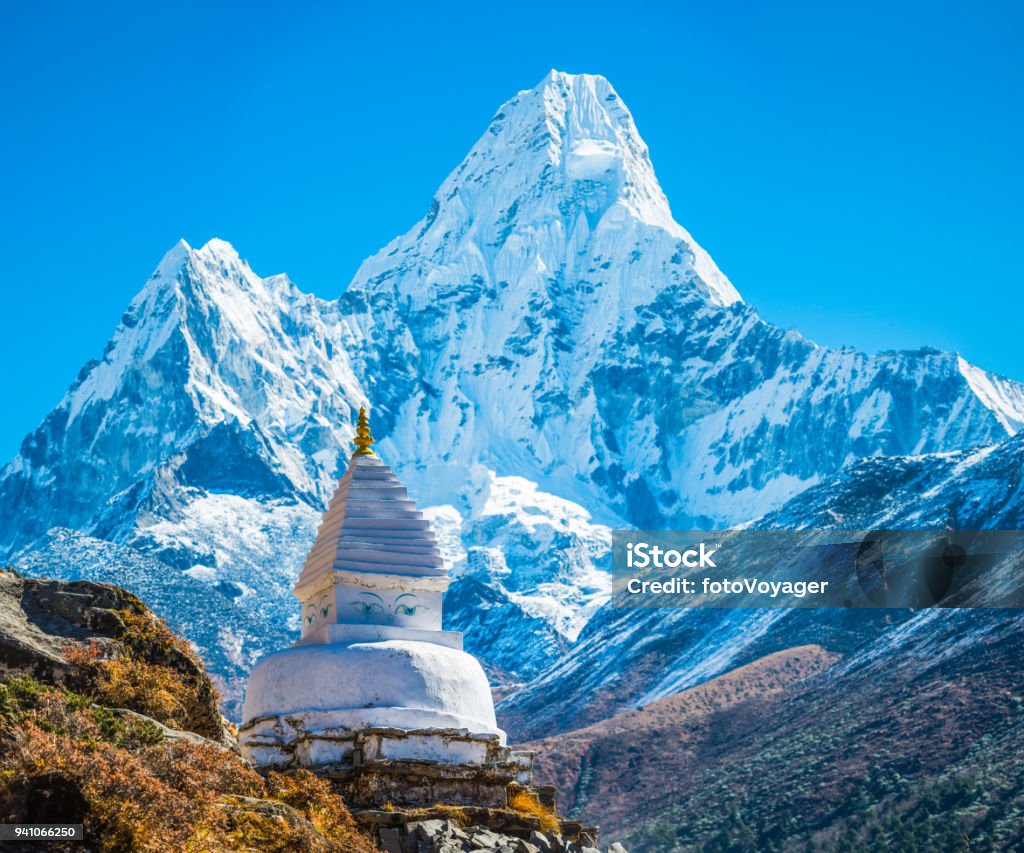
pixel 376 772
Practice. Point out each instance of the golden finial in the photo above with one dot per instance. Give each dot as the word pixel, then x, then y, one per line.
pixel 363 437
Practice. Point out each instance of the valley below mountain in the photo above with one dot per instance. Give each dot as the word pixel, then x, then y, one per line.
pixel 804 749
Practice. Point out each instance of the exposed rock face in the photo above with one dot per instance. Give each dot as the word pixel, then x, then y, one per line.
pixel 39 618
pixel 45 623
pixel 446 836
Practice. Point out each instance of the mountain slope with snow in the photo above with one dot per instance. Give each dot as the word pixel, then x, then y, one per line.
pixel 547 355
pixel 628 657
pixel 209 437
pixel 549 319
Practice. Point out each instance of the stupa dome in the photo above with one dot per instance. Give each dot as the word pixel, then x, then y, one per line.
pixel 395 683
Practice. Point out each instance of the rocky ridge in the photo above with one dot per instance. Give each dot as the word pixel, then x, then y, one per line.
pixel 446 836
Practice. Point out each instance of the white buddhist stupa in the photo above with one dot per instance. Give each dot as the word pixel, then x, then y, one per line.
pixel 375 692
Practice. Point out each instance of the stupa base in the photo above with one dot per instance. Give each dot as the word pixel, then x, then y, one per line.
pixel 397 829
pixel 404 783
pixel 411 767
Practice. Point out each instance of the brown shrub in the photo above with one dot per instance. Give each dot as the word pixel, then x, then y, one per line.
pixel 312 797
pixel 196 768
pixel 129 806
pixel 156 691
pixel 134 672
pixel 147 635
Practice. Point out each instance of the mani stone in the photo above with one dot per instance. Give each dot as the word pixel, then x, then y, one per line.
pixel 373 678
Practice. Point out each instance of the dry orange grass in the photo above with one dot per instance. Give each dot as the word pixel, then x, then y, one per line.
pixel 520 800
pixel 126 681
pixel 455 814
pixel 139 793
pixel 143 670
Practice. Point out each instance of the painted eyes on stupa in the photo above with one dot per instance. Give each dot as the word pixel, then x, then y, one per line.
pixel 373 608
pixel 312 614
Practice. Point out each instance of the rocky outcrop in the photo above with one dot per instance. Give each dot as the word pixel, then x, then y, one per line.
pixel 107 719
pixel 39 619
pixel 447 836
pixel 92 637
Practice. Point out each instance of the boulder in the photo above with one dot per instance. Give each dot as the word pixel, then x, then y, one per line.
pixel 544 843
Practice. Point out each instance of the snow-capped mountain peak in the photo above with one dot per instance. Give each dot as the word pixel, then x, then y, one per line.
pixel 549 319
pixel 560 182
pixel 209 359
pixel 546 355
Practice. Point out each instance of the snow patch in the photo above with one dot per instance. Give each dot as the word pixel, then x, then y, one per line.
pixel 1004 398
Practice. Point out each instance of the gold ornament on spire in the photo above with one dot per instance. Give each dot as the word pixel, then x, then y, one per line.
pixel 363 438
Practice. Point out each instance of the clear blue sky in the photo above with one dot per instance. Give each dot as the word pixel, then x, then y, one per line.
pixel 855 168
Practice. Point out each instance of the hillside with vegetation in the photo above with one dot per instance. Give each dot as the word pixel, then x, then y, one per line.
pixel 807 751
pixel 108 719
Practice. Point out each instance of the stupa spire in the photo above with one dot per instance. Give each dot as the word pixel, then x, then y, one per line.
pixel 363 438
